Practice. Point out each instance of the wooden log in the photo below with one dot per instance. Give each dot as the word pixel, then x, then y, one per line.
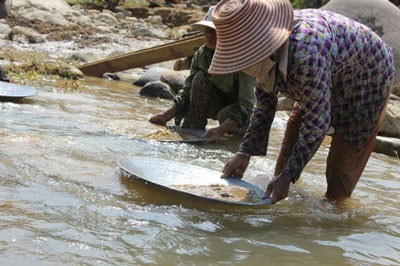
pixel 174 50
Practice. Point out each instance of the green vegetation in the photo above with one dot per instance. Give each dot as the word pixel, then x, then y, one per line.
pixel 106 4
pixel 28 68
pixel 109 4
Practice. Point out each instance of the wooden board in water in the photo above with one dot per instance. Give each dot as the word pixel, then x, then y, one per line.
pixel 193 181
pixel 170 51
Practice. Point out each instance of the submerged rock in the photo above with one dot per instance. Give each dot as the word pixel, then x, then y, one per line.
pixel 157 89
pixel 388 146
pixel 175 79
pixel 152 74
pixel 391 122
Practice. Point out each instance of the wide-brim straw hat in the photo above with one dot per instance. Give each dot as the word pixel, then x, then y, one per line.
pixel 207 21
pixel 248 32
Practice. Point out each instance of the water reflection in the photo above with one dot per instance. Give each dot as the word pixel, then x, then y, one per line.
pixel 65 201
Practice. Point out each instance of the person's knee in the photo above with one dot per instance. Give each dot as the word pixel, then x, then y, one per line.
pixel 222 115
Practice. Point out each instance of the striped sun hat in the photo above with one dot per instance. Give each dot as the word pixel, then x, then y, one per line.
pixel 249 31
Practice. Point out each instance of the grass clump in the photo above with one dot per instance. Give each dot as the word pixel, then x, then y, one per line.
pixel 31 68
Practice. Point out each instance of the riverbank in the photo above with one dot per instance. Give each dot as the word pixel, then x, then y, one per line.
pixel 53 40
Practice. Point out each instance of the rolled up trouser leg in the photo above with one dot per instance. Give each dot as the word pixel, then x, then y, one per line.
pixel 346 163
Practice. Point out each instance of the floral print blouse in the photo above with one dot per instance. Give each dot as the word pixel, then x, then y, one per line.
pixel 340 72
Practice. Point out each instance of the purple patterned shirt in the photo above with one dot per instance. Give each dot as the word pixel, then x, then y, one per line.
pixel 340 72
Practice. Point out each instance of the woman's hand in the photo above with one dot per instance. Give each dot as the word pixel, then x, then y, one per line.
pixel 213 134
pixel 162 118
pixel 278 188
pixel 158 119
pixel 236 166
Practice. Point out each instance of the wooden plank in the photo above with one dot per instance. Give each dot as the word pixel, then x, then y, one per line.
pixel 157 54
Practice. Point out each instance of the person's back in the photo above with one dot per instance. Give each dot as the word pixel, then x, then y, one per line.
pixel 345 60
pixel 346 42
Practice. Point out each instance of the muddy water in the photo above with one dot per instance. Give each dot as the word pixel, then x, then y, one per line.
pixel 63 200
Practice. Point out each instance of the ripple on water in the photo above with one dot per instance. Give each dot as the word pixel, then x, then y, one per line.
pixel 67 203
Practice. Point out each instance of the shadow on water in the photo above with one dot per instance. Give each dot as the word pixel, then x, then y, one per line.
pixel 16 100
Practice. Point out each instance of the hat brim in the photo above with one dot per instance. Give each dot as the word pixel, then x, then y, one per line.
pixel 204 23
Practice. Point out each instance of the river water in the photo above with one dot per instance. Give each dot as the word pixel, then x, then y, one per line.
pixel 64 201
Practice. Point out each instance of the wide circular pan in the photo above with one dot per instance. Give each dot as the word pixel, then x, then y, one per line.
pixel 186 180
pixel 16 91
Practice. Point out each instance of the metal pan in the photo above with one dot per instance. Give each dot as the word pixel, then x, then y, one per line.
pixel 172 176
pixel 193 141
pixel 188 131
pixel 16 91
